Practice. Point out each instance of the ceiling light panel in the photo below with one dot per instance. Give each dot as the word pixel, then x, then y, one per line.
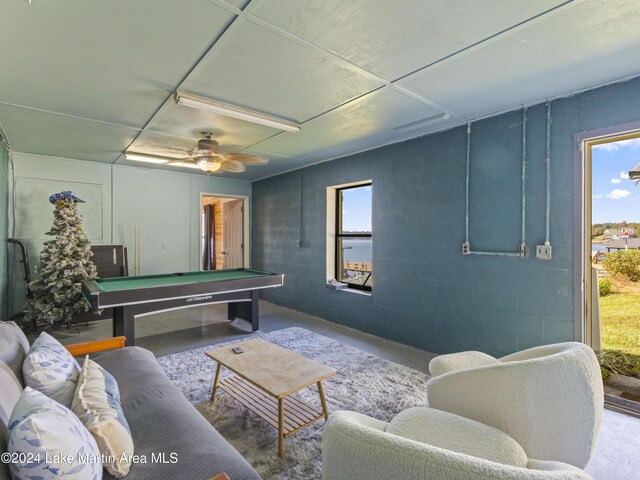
pixel 43 133
pixel 529 64
pixel 259 70
pixel 392 39
pixel 118 67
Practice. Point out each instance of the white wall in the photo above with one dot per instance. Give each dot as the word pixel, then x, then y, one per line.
pixel 166 205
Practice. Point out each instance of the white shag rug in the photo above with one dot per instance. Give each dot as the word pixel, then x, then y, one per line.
pixel 364 383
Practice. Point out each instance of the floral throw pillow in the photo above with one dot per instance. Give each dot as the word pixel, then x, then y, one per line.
pixel 50 369
pixel 47 441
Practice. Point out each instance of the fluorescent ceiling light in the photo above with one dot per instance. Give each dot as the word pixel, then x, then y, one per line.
pixel 185 165
pixel 143 157
pixel 227 110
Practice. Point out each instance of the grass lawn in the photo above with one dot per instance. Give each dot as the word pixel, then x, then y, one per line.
pixel 620 317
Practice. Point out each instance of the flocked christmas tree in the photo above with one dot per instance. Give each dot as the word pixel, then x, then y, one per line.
pixel 65 262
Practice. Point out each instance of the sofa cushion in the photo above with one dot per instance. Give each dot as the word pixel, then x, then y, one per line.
pixel 50 369
pixel 53 441
pixel 162 421
pixel 452 432
pixel 10 390
pixel 96 402
pixel 13 347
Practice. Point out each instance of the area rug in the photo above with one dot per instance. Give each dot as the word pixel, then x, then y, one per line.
pixel 364 383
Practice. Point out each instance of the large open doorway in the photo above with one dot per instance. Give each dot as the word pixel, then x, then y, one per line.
pixel 612 262
pixel 223 232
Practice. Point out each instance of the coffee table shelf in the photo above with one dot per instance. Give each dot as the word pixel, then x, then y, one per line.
pixel 265 377
pixel 297 414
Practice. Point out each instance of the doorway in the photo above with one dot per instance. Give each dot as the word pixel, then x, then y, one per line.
pixel 612 262
pixel 223 232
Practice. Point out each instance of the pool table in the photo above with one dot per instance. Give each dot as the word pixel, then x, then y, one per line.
pixel 136 296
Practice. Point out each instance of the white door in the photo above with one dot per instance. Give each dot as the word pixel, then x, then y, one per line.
pixel 232 238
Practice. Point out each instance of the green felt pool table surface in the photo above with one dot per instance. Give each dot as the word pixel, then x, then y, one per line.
pixel 170 279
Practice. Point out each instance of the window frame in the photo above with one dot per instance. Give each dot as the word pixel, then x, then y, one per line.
pixel 339 235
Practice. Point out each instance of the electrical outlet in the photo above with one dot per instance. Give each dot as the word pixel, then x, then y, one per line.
pixel 524 251
pixel 466 248
pixel 163 244
pixel 543 252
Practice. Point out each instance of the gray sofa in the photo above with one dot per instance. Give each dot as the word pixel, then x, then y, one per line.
pixel 160 417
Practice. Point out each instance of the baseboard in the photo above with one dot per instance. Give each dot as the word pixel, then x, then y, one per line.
pixel 622 405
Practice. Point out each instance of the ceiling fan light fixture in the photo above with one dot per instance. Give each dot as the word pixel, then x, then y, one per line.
pixel 143 157
pixel 208 164
pixel 201 103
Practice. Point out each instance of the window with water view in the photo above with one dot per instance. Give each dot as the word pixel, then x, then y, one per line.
pixel 353 237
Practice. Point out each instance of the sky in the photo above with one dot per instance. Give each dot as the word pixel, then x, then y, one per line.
pixel 615 197
pixel 356 209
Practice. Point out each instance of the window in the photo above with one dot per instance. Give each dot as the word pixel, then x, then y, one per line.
pixel 353 252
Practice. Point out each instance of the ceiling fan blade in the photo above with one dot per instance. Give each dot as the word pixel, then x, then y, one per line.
pixel 246 159
pixel 233 166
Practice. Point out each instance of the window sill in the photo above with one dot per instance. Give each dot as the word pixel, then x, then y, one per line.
pixel 356 291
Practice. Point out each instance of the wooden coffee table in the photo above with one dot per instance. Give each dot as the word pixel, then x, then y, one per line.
pixel 265 376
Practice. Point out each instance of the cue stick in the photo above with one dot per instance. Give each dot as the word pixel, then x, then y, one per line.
pixel 138 247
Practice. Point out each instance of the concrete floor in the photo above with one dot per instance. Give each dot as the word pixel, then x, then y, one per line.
pixel 617 454
pixel 179 330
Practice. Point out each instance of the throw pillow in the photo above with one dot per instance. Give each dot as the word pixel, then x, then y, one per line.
pixel 50 369
pixel 97 405
pixel 49 442
pixel 13 347
pixel 458 434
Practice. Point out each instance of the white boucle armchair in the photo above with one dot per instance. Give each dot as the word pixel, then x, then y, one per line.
pixel 548 398
pixel 427 444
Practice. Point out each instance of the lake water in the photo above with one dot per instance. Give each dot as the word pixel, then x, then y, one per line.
pixel 360 250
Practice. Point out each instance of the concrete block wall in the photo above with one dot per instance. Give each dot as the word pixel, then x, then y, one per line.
pixel 426 293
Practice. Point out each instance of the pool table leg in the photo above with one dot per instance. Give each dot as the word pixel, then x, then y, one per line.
pixel 246 310
pixel 124 324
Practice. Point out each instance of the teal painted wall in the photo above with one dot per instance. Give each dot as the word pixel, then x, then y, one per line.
pixel 164 204
pixel 426 293
pixel 4 227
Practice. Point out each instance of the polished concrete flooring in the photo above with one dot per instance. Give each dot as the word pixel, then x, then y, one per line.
pixel 617 455
pixel 179 330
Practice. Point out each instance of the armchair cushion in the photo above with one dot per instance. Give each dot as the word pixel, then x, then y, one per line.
pixel 458 434
pixel 459 361
pixel 357 447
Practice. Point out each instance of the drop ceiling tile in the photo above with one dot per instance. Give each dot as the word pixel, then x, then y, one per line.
pixel 114 61
pixel 254 68
pixel 187 122
pixel 392 39
pixel 43 133
pixel 363 124
pixel 578 47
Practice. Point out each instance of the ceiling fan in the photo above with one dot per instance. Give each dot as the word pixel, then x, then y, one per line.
pixel 209 158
